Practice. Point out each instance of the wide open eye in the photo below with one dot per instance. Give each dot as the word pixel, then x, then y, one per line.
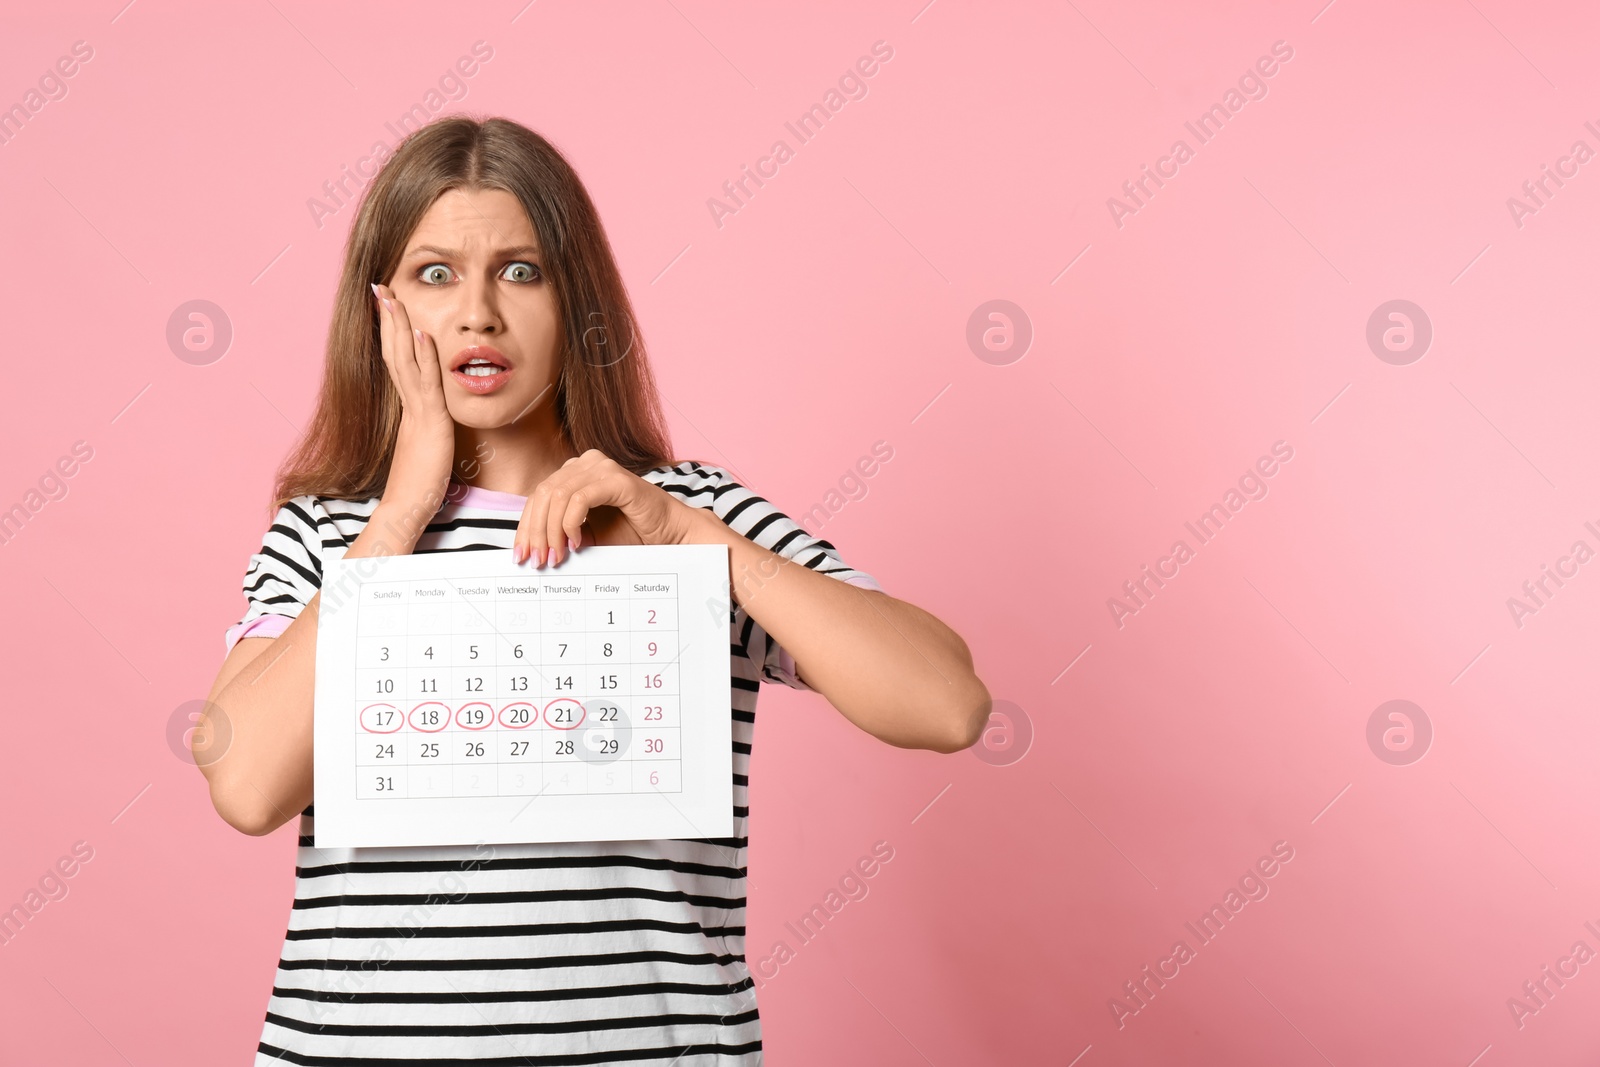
pixel 523 271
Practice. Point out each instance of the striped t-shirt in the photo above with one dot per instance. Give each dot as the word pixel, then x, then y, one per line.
pixel 535 954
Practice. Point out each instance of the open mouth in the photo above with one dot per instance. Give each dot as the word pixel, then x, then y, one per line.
pixel 480 369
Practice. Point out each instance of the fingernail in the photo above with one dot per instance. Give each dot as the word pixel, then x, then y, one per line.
pixel 388 303
pixel 375 294
pixel 572 546
pixel 516 553
pixel 417 334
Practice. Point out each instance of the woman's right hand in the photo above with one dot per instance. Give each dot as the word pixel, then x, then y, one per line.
pixel 419 473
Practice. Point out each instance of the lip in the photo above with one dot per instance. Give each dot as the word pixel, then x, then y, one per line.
pixel 484 383
pixel 472 352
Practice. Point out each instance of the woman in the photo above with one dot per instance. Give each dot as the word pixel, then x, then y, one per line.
pixel 485 388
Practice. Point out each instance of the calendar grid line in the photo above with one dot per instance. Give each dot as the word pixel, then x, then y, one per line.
pixel 441 752
pixel 460 698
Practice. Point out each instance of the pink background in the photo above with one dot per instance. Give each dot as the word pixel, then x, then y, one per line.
pixel 829 313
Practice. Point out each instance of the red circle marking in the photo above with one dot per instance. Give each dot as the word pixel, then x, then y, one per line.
pixel 533 715
pixel 444 719
pixel 583 713
pixel 487 719
pixel 374 707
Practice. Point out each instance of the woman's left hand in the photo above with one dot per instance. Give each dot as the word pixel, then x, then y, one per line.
pixel 558 507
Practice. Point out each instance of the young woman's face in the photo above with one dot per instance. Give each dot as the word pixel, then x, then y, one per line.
pixel 472 278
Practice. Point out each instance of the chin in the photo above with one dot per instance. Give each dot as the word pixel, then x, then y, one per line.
pixel 487 412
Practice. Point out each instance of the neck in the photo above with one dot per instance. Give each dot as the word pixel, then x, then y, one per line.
pixel 511 459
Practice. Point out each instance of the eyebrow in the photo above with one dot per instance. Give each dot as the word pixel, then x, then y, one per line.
pixel 455 253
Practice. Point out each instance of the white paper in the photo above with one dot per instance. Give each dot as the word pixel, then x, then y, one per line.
pixel 464 698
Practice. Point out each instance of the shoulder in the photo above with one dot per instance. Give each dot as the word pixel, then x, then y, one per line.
pixel 320 516
pixel 304 527
pixel 689 477
pixel 745 511
pixel 706 485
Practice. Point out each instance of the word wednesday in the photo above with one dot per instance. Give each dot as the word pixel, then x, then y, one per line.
pixel 1252 86
pixel 1252 485
pixel 1252 886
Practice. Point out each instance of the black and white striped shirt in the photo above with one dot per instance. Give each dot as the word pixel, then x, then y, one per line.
pixel 535 954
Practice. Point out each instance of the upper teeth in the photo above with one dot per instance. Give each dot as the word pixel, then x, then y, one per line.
pixel 479 368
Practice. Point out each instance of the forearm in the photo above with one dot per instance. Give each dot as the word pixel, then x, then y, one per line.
pixel 888 666
pixel 264 777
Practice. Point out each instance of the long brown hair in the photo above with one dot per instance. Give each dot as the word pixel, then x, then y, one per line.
pixel 606 399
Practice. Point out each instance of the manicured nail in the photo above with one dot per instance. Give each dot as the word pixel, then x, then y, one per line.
pixel 517 553
pixel 572 546
pixel 375 294
pixel 417 334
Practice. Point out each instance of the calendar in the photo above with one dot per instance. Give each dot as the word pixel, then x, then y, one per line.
pixel 461 697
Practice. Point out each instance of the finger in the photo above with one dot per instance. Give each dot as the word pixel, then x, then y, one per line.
pixel 567 525
pixel 405 344
pixel 586 482
pixel 385 329
pixel 429 374
pixel 545 523
pixel 397 345
pixel 557 491
pixel 528 544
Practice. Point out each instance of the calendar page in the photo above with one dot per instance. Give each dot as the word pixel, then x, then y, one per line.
pixel 465 698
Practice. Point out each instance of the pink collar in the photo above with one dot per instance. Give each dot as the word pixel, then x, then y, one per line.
pixel 470 496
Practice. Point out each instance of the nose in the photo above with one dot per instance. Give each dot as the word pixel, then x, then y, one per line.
pixel 478 311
